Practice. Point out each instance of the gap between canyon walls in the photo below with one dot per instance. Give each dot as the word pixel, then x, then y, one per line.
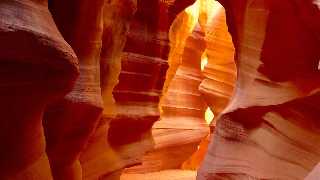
pixel 83 84
pixel 123 134
pixel 200 63
pixel 101 122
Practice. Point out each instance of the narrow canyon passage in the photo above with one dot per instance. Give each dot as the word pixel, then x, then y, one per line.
pixel 201 73
pixel 159 90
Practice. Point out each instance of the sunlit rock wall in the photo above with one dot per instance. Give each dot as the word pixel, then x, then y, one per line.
pixel 270 129
pixel 219 71
pixel 99 158
pixel 57 126
pixel 123 134
pixel 201 52
pixel 182 125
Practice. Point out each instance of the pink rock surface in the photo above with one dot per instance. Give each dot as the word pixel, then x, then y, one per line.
pixel 270 129
pixel 314 174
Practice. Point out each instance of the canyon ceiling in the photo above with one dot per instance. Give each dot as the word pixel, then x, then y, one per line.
pixel 110 89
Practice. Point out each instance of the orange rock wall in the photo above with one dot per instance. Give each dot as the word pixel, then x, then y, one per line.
pixel 129 116
pixel 83 82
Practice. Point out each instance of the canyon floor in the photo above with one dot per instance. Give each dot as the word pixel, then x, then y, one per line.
pixel 162 175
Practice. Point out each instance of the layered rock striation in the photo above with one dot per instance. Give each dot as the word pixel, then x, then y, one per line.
pixel 270 129
pixel 70 121
pixel 37 68
pixel 132 108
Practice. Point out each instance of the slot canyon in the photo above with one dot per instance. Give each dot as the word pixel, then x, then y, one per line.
pixel 159 90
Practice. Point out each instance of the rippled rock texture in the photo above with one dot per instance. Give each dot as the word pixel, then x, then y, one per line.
pixel 37 67
pixel 196 57
pixel 83 84
pixel 131 107
pixel 70 121
pixel 219 72
pixel 270 130
pixel 182 113
pixel 91 129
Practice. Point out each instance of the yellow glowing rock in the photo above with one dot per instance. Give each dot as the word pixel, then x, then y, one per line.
pixel 204 60
pixel 193 11
pixel 209 116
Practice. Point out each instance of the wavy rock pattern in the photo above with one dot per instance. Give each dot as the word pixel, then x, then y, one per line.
pixel 77 114
pixel 182 112
pixel 220 71
pixel 37 66
pixel 99 158
pixel 182 108
pixel 182 104
pixel 136 96
pixel 57 126
pixel 270 129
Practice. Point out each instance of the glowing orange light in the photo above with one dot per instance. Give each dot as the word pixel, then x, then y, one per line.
pixel 193 13
pixel 194 10
pixel 204 61
pixel 208 116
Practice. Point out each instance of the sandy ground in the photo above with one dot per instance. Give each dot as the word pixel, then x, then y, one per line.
pixel 162 175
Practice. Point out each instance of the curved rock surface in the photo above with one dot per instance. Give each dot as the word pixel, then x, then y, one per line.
pixel 182 104
pixel 182 113
pixel 136 96
pixel 37 67
pixel 220 71
pixel 77 114
pixel 99 158
pixel 82 83
pixel 270 129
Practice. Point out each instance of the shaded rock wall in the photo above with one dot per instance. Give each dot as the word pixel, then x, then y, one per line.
pixel 76 115
pixel 270 129
pixel 37 67
pixel 96 30
pixel 57 126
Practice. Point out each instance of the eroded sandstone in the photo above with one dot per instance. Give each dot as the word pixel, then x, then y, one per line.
pixel 270 129
pixel 37 67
